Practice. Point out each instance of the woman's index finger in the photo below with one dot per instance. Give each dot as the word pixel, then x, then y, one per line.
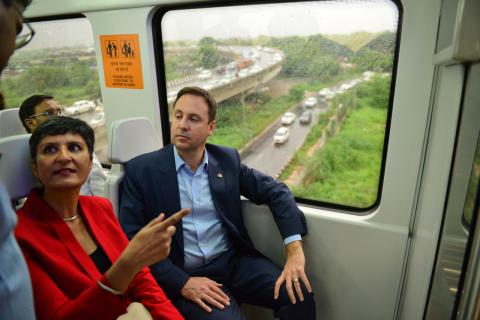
pixel 174 218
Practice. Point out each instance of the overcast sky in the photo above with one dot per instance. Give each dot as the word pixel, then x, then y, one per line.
pixel 61 33
pixel 325 17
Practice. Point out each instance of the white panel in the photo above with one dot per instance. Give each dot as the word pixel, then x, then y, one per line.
pixel 354 266
pixel 461 27
pixel 356 263
pixel 433 191
pixel 125 103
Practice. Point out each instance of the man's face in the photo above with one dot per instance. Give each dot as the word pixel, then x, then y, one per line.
pixel 10 25
pixel 40 112
pixel 190 125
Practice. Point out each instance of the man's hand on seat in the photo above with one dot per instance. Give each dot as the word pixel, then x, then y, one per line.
pixel 293 272
pixel 202 290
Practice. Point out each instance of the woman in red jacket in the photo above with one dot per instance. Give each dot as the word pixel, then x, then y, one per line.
pixel 81 264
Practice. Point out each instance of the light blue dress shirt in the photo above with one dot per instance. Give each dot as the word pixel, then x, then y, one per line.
pixel 204 235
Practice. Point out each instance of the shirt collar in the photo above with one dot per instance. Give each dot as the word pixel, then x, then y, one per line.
pixel 180 163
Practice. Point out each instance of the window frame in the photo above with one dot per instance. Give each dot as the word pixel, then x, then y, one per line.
pixel 158 15
pixel 71 16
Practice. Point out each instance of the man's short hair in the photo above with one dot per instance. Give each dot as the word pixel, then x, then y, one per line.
pixel 60 126
pixel 199 92
pixel 27 108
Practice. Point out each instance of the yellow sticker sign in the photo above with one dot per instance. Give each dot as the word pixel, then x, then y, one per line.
pixel 121 61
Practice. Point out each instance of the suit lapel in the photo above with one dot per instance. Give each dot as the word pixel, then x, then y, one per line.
pixel 216 179
pixel 168 185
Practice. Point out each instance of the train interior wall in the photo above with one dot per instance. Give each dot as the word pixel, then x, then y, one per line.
pixel 361 267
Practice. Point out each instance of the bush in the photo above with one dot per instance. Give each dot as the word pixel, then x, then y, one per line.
pixel 347 169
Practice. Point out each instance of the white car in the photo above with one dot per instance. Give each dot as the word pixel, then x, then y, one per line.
pixel 281 136
pixel 255 69
pixel 211 84
pixel 277 57
pixel 324 93
pixel 81 106
pixel 367 75
pixel 243 73
pixel 171 96
pixel 310 102
pixel 288 118
pixel 99 120
pixel 205 74
pixel 225 80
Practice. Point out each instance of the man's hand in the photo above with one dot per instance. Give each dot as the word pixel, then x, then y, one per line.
pixel 202 290
pixel 293 272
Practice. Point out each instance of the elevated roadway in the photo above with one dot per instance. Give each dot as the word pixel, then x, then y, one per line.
pixel 223 85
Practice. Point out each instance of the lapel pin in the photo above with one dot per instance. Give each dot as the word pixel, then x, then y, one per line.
pixel 219 175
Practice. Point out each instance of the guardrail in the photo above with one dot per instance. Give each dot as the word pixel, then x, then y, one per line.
pixel 180 81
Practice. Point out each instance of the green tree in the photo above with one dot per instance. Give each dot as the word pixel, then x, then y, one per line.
pixel 80 74
pixel 208 54
pixel 367 59
pixel 39 79
pixel 311 57
pixel 374 93
pixel 323 68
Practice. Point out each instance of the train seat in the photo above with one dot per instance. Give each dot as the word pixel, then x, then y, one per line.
pixel 15 169
pixel 10 124
pixel 128 138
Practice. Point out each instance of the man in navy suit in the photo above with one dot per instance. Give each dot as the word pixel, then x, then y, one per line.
pixel 213 266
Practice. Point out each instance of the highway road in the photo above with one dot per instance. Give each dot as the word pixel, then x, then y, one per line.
pixel 263 155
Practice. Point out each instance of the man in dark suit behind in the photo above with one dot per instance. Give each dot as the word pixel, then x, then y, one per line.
pixel 213 266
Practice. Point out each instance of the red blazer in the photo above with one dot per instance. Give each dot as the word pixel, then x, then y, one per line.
pixel 64 278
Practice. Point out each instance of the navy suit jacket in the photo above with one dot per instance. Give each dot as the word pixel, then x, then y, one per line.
pixel 150 187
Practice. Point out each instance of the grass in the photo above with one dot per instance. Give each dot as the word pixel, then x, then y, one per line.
pixel 301 156
pixel 347 169
pixel 238 124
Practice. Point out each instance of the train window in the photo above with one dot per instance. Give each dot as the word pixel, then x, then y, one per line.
pixel 321 70
pixel 60 61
